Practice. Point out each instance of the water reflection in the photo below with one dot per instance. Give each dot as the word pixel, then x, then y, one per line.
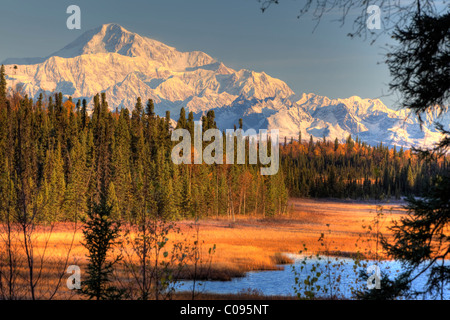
pixel 338 276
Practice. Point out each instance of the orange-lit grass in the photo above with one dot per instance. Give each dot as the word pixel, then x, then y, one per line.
pixel 251 243
pixel 255 242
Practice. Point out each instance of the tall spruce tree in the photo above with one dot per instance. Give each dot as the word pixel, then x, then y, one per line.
pixel 182 123
pixel 3 86
pixel 101 235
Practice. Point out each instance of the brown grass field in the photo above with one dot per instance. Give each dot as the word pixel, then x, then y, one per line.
pixel 257 242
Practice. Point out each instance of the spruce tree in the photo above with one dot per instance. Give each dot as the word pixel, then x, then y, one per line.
pixel 101 235
pixel 3 86
pixel 190 123
pixel 150 110
pixel 138 108
pixel 84 115
pixel 181 124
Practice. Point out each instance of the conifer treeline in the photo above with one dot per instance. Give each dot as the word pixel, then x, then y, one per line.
pixel 355 170
pixel 55 159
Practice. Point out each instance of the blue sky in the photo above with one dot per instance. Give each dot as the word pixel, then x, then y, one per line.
pixel 325 62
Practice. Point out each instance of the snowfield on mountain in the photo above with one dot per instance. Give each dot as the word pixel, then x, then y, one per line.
pixel 126 65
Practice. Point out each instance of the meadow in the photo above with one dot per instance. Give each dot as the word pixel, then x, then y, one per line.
pixel 250 243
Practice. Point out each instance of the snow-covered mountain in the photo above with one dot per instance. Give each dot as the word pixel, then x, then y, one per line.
pixel 126 65
pixel 319 116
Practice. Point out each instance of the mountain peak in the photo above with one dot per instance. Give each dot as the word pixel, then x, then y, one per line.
pixel 115 39
pixel 113 25
pixel 108 38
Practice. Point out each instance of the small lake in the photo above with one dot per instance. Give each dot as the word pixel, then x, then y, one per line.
pixel 343 272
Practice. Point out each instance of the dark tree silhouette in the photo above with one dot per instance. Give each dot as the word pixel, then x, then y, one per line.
pixel 395 13
pixel 420 65
pixel 100 236
pixel 420 70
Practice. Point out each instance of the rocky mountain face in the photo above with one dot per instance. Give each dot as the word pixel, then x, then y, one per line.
pixel 126 65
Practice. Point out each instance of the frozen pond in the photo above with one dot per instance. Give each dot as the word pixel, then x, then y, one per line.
pixel 339 276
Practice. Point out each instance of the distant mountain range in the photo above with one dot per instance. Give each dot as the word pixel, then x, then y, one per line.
pixel 126 65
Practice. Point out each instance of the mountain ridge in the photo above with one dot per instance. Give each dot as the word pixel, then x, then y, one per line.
pixel 126 65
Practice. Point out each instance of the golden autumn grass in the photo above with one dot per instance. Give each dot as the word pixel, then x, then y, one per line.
pixel 255 242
